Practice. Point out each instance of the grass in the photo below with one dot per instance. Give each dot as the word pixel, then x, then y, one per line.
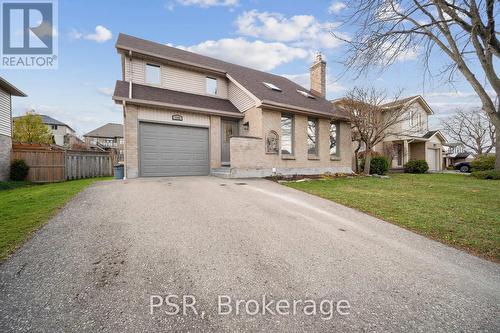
pixel 25 207
pixel 455 209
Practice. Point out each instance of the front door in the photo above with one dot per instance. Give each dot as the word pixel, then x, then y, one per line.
pixel 229 128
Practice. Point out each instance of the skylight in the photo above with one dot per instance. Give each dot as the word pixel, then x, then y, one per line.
pixel 271 86
pixel 306 94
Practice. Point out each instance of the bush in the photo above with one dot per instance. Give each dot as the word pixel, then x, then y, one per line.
pixel 18 170
pixel 417 166
pixel 488 174
pixel 483 163
pixel 379 165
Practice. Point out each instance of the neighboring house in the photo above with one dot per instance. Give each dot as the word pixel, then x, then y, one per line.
pixel 7 90
pixel 188 114
pixel 109 136
pixel 62 133
pixel 410 139
pixel 454 152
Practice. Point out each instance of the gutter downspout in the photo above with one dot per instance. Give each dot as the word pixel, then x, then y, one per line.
pixel 130 76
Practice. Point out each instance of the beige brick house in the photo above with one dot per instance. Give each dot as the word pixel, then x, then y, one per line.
pixel 188 114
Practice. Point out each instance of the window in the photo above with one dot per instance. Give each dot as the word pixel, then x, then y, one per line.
pixel 312 136
pixel 286 134
pixel 271 86
pixel 153 74
pixel 211 86
pixel 120 141
pixel 419 117
pixel 109 142
pixel 411 118
pixel 334 139
pixel 306 94
pixel 54 127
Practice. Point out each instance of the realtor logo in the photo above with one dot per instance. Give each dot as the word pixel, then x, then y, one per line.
pixel 29 35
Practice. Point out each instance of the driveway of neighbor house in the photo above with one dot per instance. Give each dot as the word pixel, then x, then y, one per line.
pixel 97 263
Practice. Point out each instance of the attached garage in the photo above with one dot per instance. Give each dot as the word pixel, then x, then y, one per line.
pixel 172 150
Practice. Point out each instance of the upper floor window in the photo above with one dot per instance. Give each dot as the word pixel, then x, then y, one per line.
pixel 286 134
pixel 211 86
pixel 312 136
pixel 334 139
pixel 54 127
pixel 412 115
pixel 153 74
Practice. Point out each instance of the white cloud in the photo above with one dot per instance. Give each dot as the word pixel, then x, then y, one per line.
pixel 101 34
pixel 407 54
pixel 256 54
pixel 336 7
pixel 299 30
pixel 304 80
pixel 105 91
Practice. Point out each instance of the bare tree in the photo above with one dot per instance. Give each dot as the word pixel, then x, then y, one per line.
pixel 370 121
pixel 472 129
pixel 461 30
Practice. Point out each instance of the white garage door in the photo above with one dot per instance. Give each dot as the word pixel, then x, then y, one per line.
pixel 170 150
pixel 433 159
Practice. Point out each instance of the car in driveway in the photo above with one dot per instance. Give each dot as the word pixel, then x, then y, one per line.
pixel 463 166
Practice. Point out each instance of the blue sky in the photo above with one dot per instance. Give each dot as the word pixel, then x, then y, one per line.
pixel 276 36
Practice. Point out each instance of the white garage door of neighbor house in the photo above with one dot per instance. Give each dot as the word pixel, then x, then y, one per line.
pixel 172 150
pixel 432 159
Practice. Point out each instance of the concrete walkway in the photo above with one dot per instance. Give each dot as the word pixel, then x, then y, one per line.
pixel 118 246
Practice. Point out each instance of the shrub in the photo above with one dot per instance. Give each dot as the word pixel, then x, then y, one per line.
pixel 18 170
pixel 417 166
pixel 483 163
pixel 379 165
pixel 488 174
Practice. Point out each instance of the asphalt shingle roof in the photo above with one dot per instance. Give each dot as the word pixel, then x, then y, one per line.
pixel 109 130
pixel 249 78
pixel 161 95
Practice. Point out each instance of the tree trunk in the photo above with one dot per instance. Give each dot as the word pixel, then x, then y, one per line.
pixel 356 159
pixel 368 159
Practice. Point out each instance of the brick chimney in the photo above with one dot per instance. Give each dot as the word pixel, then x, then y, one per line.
pixel 318 76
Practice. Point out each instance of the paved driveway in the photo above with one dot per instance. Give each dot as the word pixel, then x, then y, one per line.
pixel 100 262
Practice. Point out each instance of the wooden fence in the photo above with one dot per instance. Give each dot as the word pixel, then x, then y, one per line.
pixel 47 166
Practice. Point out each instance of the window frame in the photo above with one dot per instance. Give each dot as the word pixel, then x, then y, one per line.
pixel 292 135
pixel 336 155
pixel 207 79
pixel 316 136
pixel 148 65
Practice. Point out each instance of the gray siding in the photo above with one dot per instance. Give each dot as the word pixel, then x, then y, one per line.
pixel 239 98
pixel 5 114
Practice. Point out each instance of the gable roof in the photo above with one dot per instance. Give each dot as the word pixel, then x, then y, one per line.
pixel 251 79
pixel 408 101
pixel 110 130
pixel 8 87
pixel 430 134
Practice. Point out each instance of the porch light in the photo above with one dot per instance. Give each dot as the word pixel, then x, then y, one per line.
pixel 246 126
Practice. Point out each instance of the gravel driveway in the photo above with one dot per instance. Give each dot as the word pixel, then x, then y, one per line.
pixel 110 258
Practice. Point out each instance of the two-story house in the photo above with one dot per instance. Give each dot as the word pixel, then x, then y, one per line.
pixel 188 114
pixel 411 138
pixel 7 90
pixel 62 134
pixel 109 136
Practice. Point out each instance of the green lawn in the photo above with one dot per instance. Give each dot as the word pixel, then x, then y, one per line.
pixel 24 208
pixel 455 209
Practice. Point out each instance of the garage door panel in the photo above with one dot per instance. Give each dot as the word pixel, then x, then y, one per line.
pixel 169 150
